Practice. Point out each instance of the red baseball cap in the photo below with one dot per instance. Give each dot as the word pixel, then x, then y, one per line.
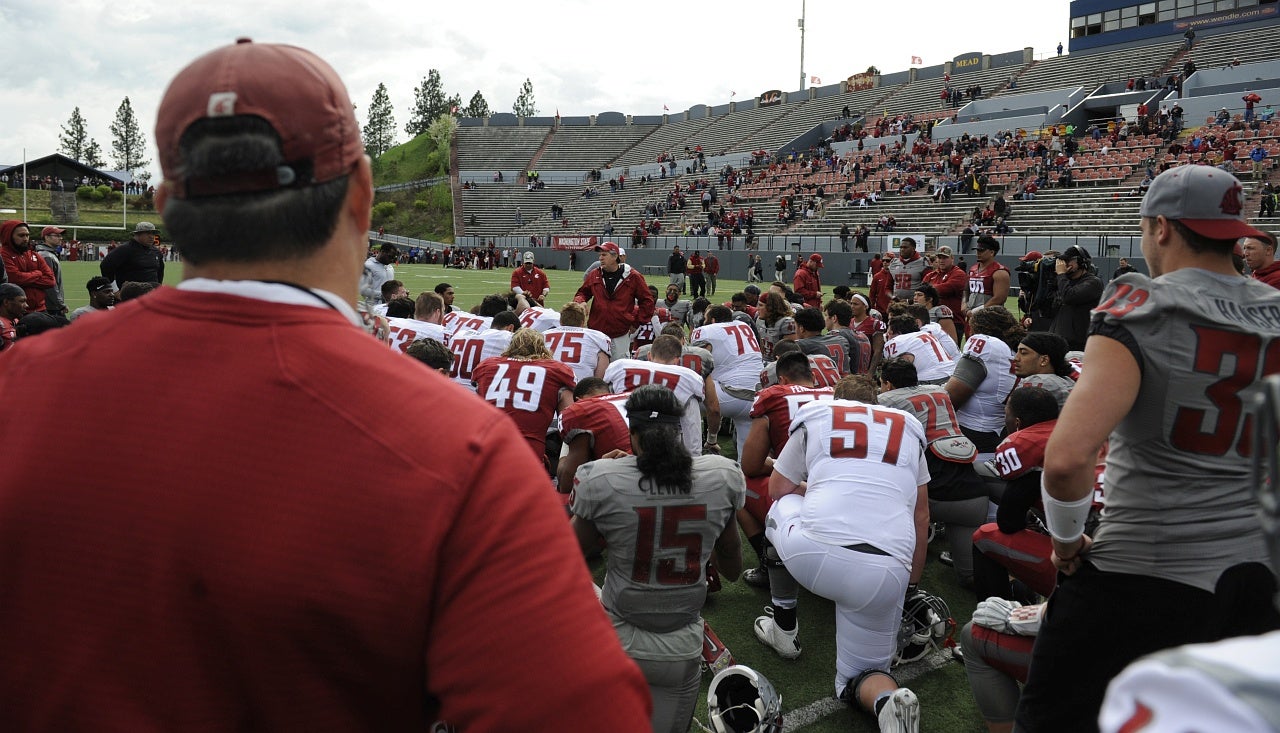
pixel 1032 255
pixel 611 248
pixel 292 89
pixel 815 257
pixel 50 230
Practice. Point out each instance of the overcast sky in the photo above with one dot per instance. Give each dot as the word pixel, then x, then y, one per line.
pixel 582 56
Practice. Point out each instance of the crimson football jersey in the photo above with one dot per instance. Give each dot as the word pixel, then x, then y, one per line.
pixel 603 419
pixel 780 403
pixel 1023 451
pixel 527 391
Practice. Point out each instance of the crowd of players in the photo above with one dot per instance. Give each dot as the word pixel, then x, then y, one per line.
pixel 982 393
pixel 130 599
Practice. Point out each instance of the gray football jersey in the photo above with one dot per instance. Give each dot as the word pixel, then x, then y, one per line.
pixel 691 357
pixel 659 540
pixel 1059 387
pixel 1178 503
pixel 931 405
pixel 829 344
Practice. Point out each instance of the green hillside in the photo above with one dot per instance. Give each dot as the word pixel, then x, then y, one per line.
pixel 423 213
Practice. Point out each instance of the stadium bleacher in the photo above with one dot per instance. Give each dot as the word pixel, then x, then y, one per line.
pixel 1100 201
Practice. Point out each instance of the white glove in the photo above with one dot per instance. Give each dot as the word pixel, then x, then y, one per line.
pixel 1025 621
pixel 993 614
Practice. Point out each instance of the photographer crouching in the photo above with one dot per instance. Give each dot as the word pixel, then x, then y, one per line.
pixel 1079 290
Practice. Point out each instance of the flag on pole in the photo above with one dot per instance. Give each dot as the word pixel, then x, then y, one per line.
pixel 665 108
pixel 814 80
pixel 916 60
pixel 733 94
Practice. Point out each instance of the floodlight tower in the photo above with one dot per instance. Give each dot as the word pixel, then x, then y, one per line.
pixel 801 24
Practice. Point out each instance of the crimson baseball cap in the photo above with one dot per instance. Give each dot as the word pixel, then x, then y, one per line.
pixel 292 89
pixel 1032 255
pixel 50 230
pixel 1205 199
pixel 611 248
pixel 815 257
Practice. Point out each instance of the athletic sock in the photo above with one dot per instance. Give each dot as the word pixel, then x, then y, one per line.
pixel 757 543
pixel 785 618
pixel 881 700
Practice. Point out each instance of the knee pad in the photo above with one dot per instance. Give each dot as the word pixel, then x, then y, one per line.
pixel 850 693
pixel 771 558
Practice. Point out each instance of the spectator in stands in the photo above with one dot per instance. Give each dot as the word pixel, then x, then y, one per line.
pixel 1267 200
pixel 1260 256
pixel 1258 155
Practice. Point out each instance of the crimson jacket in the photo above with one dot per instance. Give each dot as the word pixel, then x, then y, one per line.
pixel 808 286
pixel 1269 274
pixel 27 269
pixel 630 305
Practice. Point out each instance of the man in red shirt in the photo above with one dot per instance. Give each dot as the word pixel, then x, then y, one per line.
pixel 530 280
pixel 697 279
pixel 341 580
pixel 806 282
pixel 24 267
pixel 1260 255
pixel 620 299
pixel 881 291
pixel 951 282
pixel 712 266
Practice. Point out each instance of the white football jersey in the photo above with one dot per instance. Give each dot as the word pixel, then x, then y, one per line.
pixel 944 338
pixel 578 347
pixel 984 411
pixel 736 351
pixel 470 348
pixel 461 321
pixel 863 464
pixel 927 353
pixel 405 331
pixel 539 319
pixel 624 375
pixel 1232 685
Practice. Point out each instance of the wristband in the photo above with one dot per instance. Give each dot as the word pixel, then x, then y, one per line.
pixel 1065 519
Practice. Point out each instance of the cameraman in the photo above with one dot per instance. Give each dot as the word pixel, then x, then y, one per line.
pixel 1037 286
pixel 1079 290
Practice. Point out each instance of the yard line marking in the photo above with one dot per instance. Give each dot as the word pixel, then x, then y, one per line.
pixel 819 709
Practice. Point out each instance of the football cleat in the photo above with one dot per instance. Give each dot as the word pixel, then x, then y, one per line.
pixel 900 713
pixel 741 700
pixel 756 577
pixel 785 643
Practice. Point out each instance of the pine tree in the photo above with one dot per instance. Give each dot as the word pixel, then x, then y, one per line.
pixel 380 130
pixel 93 155
pixel 75 136
pixel 524 106
pixel 429 102
pixel 477 107
pixel 128 145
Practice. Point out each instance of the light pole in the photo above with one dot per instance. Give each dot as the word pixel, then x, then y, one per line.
pixel 801 24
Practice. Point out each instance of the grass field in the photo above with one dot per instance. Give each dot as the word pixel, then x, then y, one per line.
pixel 806 684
